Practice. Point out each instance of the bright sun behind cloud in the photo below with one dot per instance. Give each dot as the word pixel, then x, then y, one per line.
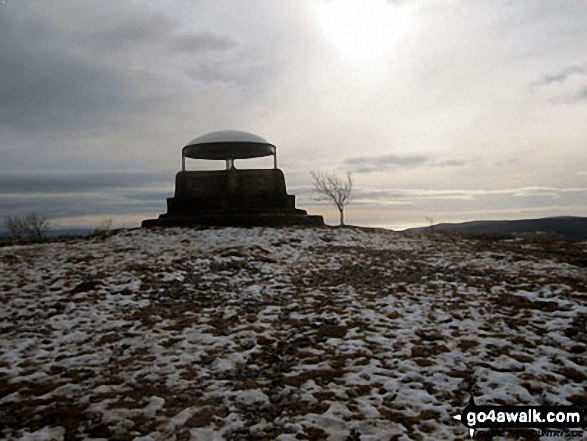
pixel 363 33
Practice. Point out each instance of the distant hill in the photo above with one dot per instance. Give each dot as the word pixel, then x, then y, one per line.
pixel 565 227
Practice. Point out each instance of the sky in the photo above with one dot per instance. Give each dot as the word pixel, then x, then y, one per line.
pixel 443 111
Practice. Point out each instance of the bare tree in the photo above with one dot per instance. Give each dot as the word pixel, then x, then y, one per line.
pixel 35 225
pixel 15 225
pixel 32 225
pixel 333 187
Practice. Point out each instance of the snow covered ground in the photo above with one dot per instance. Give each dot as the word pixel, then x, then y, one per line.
pixel 283 334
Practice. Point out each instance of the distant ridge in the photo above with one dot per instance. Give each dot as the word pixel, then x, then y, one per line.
pixel 564 227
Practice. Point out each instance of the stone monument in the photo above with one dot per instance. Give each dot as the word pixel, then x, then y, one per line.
pixel 231 197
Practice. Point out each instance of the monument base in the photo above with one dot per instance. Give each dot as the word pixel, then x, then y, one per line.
pixel 240 198
pixel 236 219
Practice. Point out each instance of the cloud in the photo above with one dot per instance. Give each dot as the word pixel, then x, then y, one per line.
pixel 249 78
pixel 214 73
pixel 50 92
pixel 70 195
pixel 28 183
pixel 387 196
pixel 450 163
pixel 106 78
pixel 581 95
pixel 66 206
pixel 570 98
pixel 48 86
pixel 545 191
pixel 561 76
pixel 155 196
pixel 201 43
pixel 379 163
pixel 139 28
pixel 564 85
pixel 386 162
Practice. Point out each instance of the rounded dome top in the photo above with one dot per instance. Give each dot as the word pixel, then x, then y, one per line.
pixel 228 136
pixel 228 144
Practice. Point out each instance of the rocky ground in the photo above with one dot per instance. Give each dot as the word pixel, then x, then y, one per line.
pixel 284 334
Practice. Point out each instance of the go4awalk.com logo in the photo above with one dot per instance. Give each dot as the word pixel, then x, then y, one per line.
pixel 521 417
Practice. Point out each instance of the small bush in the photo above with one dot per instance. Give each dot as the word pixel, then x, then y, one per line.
pixel 32 226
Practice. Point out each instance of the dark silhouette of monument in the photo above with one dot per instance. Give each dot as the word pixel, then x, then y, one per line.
pixel 231 197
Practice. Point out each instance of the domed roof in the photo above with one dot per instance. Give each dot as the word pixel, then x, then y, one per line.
pixel 227 136
pixel 228 144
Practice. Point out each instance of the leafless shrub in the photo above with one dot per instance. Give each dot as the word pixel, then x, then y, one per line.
pixel 31 226
pixel 104 226
pixel 15 226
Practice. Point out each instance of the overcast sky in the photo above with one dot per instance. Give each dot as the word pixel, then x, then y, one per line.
pixel 453 110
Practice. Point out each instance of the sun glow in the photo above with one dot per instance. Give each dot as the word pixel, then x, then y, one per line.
pixel 364 33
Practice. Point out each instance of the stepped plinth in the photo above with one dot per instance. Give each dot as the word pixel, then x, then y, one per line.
pixel 231 197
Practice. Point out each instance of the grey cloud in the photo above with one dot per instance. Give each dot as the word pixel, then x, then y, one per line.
pixel 451 163
pixel 407 195
pixel 368 196
pixel 70 75
pixel 99 194
pixel 561 76
pixel 60 206
pixel 200 43
pixel 545 191
pixel 22 184
pixel 207 73
pixel 477 202
pixel 572 98
pixel 581 95
pixel 52 92
pixel 250 76
pixel 46 86
pixel 146 196
pixel 384 162
pixel 137 29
